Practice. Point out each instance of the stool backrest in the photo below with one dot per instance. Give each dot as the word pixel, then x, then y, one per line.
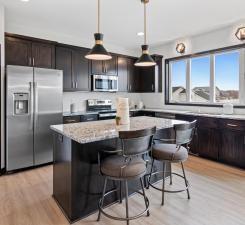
pixel 137 142
pixel 184 132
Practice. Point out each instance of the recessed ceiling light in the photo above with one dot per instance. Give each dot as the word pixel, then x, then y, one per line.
pixel 140 33
pixel 25 0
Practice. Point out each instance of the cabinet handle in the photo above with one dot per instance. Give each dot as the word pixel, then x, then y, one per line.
pixel 231 125
pixel 29 61
pixel 152 87
pixel 33 61
pixel 130 87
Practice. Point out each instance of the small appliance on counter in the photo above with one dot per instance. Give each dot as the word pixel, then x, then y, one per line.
pixel 228 108
pixel 73 108
pixel 103 107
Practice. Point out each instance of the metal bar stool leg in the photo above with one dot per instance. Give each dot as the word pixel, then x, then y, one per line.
pixel 126 197
pixel 143 190
pixel 103 197
pixel 149 180
pixel 186 183
pixel 171 176
pixel 120 190
pixel 163 181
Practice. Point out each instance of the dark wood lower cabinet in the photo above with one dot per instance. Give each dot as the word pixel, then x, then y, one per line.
pixel 219 139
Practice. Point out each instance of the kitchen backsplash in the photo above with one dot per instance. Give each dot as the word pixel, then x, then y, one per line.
pixel 80 98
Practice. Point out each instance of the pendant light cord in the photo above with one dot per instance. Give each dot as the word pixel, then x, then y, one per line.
pixel 98 16
pixel 145 22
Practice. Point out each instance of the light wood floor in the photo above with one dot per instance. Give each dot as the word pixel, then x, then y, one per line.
pixel 217 191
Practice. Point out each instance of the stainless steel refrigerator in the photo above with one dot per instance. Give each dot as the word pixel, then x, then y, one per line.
pixel 34 102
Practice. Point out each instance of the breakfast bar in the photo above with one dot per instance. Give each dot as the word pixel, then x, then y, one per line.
pixel 77 184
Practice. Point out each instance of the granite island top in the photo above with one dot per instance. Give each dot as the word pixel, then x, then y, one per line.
pixel 86 132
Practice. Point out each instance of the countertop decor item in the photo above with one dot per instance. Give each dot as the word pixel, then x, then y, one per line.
pixel 228 108
pixel 145 59
pixel 123 110
pixel 98 52
pixel 118 120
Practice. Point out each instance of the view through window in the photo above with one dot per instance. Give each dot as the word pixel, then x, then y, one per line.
pixel 209 79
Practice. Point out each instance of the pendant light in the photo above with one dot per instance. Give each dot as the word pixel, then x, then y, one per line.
pixel 145 59
pixel 98 52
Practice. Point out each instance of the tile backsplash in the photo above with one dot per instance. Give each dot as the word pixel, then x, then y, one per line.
pixel 80 98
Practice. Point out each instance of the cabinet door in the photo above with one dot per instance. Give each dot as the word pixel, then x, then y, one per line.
pixel 208 142
pixel 147 79
pixel 97 67
pixel 43 55
pixel 17 52
pixel 133 76
pixel 80 68
pixel 64 62
pixel 110 66
pixel 233 148
pixel 122 74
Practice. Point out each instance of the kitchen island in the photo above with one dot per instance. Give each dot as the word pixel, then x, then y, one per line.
pixel 77 184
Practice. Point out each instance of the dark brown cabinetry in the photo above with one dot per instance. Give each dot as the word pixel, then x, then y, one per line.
pixel 108 67
pixel 232 149
pixel 133 76
pixel 122 73
pixel 26 52
pixel 75 68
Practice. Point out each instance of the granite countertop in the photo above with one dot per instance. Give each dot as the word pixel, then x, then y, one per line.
pixel 215 115
pixel 86 132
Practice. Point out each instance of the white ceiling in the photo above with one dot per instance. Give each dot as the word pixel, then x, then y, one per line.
pixel 122 19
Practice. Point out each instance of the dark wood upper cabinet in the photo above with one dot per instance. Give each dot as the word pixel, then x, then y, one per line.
pixel 43 55
pixel 26 51
pixel 80 67
pixel 107 67
pixel 64 63
pixel 122 74
pixel 17 52
pixel 133 76
pixel 75 68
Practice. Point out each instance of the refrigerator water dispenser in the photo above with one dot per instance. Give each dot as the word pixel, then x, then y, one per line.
pixel 21 102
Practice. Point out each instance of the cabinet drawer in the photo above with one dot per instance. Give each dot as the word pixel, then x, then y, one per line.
pixel 71 119
pixel 232 124
pixel 90 117
pixel 205 122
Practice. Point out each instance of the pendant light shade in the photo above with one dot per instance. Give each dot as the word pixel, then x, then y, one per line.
pixel 145 59
pixel 98 52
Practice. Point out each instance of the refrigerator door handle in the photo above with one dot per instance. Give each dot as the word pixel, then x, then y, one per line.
pixel 31 104
pixel 36 103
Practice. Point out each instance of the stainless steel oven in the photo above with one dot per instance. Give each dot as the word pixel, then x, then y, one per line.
pixel 105 83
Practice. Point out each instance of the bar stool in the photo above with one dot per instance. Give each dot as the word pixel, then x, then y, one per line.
pixel 173 153
pixel 127 165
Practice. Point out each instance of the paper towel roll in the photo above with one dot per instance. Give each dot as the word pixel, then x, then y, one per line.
pixel 123 110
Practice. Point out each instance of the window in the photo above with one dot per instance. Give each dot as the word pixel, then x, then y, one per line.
pixel 227 77
pixel 200 79
pixel 213 78
pixel 178 81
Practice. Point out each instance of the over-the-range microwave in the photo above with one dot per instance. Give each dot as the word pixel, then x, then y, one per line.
pixel 104 83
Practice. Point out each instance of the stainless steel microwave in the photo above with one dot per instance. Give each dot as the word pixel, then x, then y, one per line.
pixel 105 83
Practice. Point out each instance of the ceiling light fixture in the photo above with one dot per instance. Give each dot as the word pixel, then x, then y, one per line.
pixel 24 0
pixel 98 52
pixel 140 33
pixel 145 59
pixel 240 34
pixel 180 48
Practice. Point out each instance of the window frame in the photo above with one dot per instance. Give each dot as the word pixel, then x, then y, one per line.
pixel 211 53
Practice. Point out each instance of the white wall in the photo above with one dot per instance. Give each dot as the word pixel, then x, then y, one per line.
pixel 2 81
pixel 212 40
